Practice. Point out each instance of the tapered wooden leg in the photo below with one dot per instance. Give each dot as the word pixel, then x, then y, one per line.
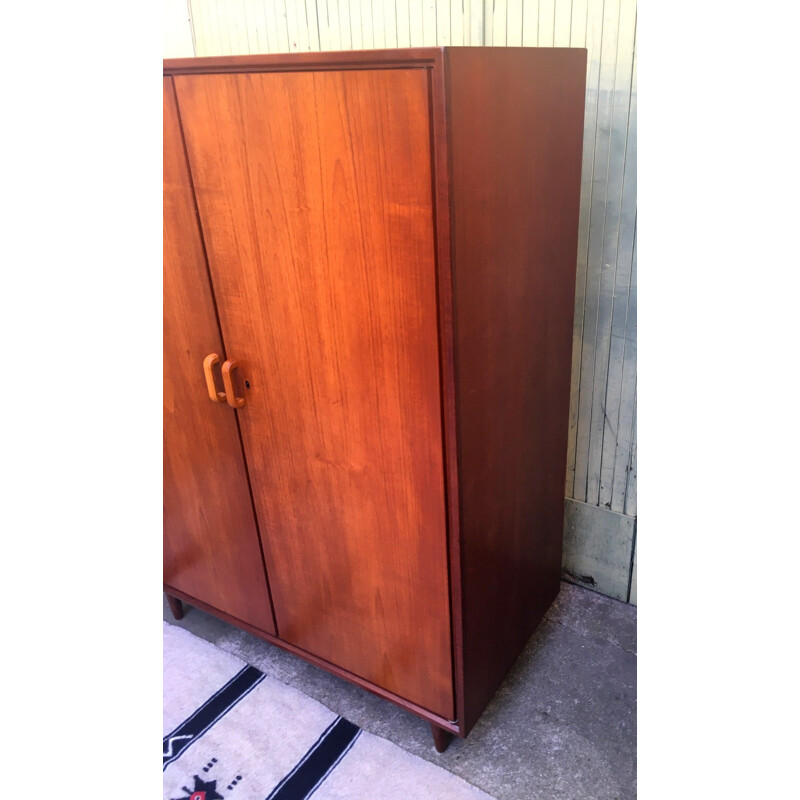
pixel 441 738
pixel 175 606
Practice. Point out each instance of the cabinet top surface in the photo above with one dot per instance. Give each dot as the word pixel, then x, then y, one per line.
pixel 346 59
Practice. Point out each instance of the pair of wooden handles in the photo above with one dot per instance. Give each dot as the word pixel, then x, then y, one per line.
pixel 229 394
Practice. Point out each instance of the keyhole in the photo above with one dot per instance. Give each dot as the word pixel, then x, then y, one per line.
pixel 247 384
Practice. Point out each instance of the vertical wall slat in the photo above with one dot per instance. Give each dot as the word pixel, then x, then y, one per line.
pixel 611 146
pixel 307 23
pixel 178 39
pixel 415 27
pixel 477 23
pixel 598 291
pixel 256 30
pixel 562 24
pixel 323 25
pixel 390 22
pixel 248 31
pixel 530 23
pixel 488 22
pixel 268 26
pixel 443 12
pixel 577 24
pixel 577 448
pixel 356 25
pixel 457 22
pixel 246 39
pixel 230 34
pixel 403 25
pixel 211 43
pixel 281 25
pixel 547 22
pixel 429 23
pixel 312 17
pixel 367 25
pixel 621 380
pixel 514 23
pixel 630 490
pixel 624 484
pixel 499 22
pixel 199 12
pixel 378 24
pixel 296 30
pixel 345 32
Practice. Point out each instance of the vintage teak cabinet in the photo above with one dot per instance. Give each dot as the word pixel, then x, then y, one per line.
pixel 369 278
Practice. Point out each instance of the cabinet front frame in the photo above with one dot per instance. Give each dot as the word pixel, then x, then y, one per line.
pixel 434 61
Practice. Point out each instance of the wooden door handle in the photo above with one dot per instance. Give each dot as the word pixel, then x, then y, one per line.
pixel 208 364
pixel 233 400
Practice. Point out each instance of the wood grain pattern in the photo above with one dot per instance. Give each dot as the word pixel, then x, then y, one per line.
pixel 211 546
pixel 314 191
pixel 515 120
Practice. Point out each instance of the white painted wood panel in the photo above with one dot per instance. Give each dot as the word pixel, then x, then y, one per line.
pixel 547 22
pixel 621 378
pixel 612 281
pixel 562 23
pixel 514 23
pixel 581 383
pixel 601 469
pixel 177 29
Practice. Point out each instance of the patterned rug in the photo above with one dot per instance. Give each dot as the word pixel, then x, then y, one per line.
pixel 233 733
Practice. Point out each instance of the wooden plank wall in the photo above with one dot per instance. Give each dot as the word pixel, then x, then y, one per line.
pixel 601 471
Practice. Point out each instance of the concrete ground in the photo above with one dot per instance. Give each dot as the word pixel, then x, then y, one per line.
pixel 562 724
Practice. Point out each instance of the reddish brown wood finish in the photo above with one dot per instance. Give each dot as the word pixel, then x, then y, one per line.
pixel 441 737
pixel 515 121
pixel 444 282
pixel 314 193
pixel 175 606
pixel 505 143
pixel 288 62
pixel 210 541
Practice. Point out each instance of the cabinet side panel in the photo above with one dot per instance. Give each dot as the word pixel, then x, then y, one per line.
pixel 516 128
pixel 211 546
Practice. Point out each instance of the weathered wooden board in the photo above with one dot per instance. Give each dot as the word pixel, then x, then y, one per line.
pixel 598 547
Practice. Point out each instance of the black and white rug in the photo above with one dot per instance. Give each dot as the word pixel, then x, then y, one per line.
pixel 233 733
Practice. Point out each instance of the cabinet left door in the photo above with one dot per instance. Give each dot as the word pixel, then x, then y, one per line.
pixel 212 550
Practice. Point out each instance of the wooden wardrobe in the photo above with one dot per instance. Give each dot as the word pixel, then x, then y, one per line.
pixel 369 280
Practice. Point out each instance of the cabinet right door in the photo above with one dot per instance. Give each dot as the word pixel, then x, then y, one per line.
pixel 315 195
